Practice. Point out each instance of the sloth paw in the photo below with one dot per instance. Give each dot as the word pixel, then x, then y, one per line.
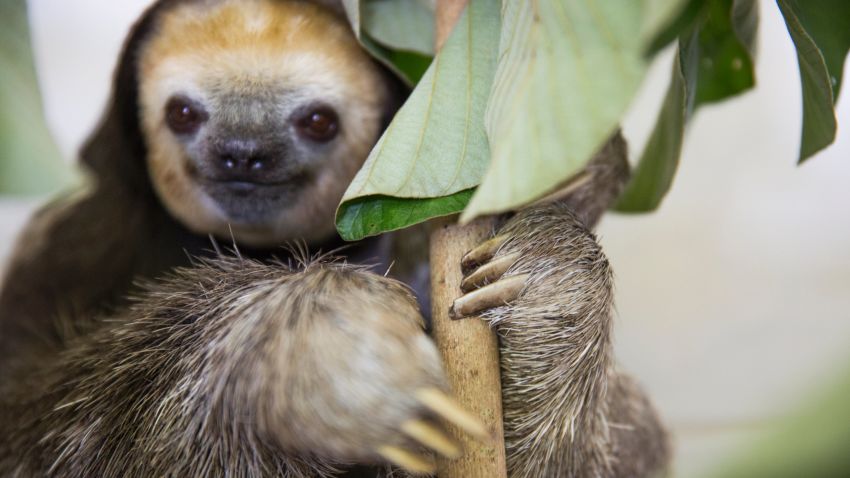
pixel 428 433
pixel 543 259
pixel 486 284
pixel 365 382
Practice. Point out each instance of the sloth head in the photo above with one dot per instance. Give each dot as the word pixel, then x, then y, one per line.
pixel 256 115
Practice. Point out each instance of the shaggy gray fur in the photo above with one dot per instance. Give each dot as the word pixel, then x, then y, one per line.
pixel 216 370
pixel 556 356
pixel 249 367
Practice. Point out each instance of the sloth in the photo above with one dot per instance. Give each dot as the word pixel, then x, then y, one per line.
pixel 132 345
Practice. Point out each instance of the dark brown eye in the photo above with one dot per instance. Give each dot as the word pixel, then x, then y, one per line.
pixel 319 123
pixel 184 116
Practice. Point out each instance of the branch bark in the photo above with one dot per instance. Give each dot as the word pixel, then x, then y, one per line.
pixel 470 350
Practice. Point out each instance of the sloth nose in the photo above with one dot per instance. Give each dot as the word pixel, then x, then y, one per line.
pixel 242 160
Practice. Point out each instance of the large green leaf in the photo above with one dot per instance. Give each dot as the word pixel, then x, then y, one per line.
pixel 714 62
pixel 726 46
pixel 676 26
pixel 654 173
pixel 30 163
pixel 820 30
pixel 406 25
pixel 436 146
pixel 410 66
pixel 567 72
pixel 398 33
pixel 372 215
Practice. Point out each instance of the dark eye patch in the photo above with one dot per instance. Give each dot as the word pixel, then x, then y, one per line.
pixel 318 122
pixel 183 115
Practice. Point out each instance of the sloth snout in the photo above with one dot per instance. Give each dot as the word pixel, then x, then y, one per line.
pixel 245 160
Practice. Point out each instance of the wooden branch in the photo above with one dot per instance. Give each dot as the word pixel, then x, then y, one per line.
pixel 470 350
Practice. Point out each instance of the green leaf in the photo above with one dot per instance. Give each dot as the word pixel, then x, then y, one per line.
pixel 372 215
pixel 409 66
pixel 820 30
pixel 398 33
pixel 726 62
pixel 30 162
pixel 713 62
pixel 436 145
pixel 677 25
pixel 566 74
pixel 406 25
pixel 654 173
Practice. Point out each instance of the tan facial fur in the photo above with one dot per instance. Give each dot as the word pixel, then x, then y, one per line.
pixel 283 53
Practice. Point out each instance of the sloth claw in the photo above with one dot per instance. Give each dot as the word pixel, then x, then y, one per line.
pixel 446 407
pixel 483 253
pixel 489 272
pixel 409 461
pixel 488 297
pixel 432 437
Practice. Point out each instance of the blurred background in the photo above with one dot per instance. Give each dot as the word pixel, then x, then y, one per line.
pixel 733 298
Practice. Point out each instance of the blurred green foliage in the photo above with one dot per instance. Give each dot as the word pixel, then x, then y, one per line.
pixel 814 441
pixel 30 162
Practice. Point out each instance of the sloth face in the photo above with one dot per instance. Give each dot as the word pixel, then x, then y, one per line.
pixel 257 114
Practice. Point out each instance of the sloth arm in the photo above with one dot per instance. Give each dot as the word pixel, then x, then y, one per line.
pixel 234 367
pixel 79 255
pixel 544 284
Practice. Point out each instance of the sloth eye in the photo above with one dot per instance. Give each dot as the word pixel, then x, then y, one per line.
pixel 318 123
pixel 184 116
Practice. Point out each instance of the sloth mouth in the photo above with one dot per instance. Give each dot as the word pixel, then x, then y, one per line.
pixel 252 203
pixel 247 187
pixel 249 195
pixel 247 183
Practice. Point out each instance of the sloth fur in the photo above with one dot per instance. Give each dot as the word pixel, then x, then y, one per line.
pixel 129 346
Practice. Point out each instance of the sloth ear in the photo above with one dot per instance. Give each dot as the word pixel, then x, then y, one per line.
pixel 115 151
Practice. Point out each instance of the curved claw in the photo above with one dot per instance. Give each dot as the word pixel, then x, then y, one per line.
pixel 432 437
pixel 487 297
pixel 407 460
pixel 438 402
pixel 489 273
pixel 483 253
